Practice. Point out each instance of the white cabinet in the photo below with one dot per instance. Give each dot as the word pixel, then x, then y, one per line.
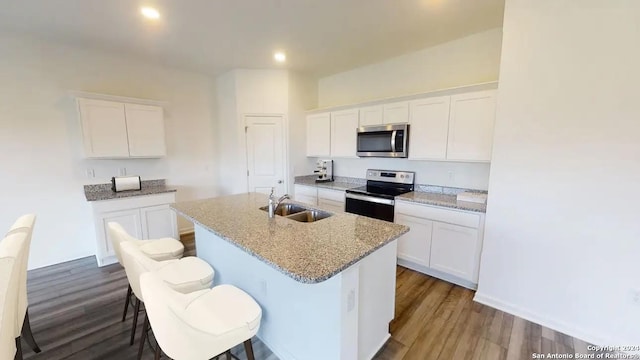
pixel 371 115
pixel 104 128
pixel 144 217
pixel 332 200
pixel 344 125
pixel 442 242
pixel 397 112
pixel 319 135
pixel 471 123
pixel 429 128
pixel 415 246
pixel 120 130
pixel 454 250
pixel 305 194
pixel 145 130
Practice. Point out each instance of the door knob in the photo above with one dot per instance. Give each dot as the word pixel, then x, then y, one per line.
pixel 279 181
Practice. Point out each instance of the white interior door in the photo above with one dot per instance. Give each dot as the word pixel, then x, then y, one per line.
pixel 265 154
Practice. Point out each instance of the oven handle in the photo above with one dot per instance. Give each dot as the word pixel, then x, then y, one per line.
pixel 370 199
pixel 393 140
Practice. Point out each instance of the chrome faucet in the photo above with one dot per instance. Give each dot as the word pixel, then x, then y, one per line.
pixel 274 204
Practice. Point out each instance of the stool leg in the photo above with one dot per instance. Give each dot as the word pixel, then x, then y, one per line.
pixel 158 351
pixel 126 303
pixel 228 353
pixel 143 337
pixel 18 355
pixel 28 335
pixel 248 348
pixel 135 320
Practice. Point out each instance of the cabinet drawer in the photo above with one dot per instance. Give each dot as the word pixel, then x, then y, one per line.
pixel 311 200
pixel 438 214
pixel 335 195
pixel 331 205
pixel 305 190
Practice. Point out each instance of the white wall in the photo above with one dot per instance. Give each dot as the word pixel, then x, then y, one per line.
pixel 41 151
pixel 247 91
pixel 562 233
pixel 469 60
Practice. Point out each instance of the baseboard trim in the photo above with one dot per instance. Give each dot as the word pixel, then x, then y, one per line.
pixel 541 320
pixel 438 274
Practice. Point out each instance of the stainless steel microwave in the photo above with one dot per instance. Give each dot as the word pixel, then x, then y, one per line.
pixel 383 141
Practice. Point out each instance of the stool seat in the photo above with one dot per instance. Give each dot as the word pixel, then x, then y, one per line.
pixel 162 249
pixel 187 274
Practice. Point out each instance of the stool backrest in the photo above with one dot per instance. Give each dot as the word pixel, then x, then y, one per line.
pixel 12 248
pixel 164 307
pixel 26 224
pixel 135 264
pixel 118 236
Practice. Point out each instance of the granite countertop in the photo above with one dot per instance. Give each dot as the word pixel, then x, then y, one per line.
pixel 340 183
pixel 445 200
pixel 99 192
pixel 307 252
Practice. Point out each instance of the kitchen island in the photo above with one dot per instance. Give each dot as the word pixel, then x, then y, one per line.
pixel 326 288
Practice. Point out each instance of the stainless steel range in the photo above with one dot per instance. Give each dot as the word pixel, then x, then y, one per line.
pixel 377 198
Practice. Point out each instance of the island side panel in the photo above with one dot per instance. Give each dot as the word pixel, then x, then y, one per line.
pixel 299 321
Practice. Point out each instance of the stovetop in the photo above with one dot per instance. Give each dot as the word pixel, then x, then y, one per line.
pixel 387 191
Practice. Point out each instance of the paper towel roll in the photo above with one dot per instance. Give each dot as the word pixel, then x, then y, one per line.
pixel 124 183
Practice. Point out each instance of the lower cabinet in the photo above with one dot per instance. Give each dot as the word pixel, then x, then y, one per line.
pixel 305 194
pixel 443 243
pixel 144 217
pixel 332 200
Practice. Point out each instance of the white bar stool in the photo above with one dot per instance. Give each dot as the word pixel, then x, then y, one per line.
pixel 185 275
pixel 24 224
pixel 10 251
pixel 157 249
pixel 200 325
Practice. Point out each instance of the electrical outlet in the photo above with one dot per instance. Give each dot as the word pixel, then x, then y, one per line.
pixel 122 171
pixel 351 300
pixel 90 174
pixel 452 176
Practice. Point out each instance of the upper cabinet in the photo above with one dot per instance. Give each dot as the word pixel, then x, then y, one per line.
pixel 429 128
pixel 121 130
pixel 442 128
pixel 145 130
pixel 397 112
pixel 344 125
pixel 371 115
pixel 319 134
pixel 471 123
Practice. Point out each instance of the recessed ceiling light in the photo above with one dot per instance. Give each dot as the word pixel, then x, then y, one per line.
pixel 150 13
pixel 280 56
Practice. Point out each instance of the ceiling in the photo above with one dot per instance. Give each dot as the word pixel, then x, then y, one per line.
pixel 320 37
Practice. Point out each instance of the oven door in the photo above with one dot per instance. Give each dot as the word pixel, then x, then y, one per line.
pixel 374 207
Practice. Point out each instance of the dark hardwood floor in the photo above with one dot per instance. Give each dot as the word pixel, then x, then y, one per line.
pixel 75 311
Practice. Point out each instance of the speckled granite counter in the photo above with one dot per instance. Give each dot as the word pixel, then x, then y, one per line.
pixel 100 192
pixel 307 252
pixel 340 183
pixel 444 200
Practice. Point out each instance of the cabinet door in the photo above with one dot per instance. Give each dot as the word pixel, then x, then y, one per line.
pixel 344 125
pixel 331 205
pixel 429 128
pixel 415 246
pixel 454 250
pixel 158 222
pixel 397 112
pixel 371 115
pixel 319 135
pixel 128 219
pixel 145 130
pixel 306 194
pixel 471 126
pixel 104 129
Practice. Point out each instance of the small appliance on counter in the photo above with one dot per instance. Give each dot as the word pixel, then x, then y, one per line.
pixel 126 183
pixel 324 169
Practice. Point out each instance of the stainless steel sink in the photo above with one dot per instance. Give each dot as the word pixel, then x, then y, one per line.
pixel 309 216
pixel 299 213
pixel 286 209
